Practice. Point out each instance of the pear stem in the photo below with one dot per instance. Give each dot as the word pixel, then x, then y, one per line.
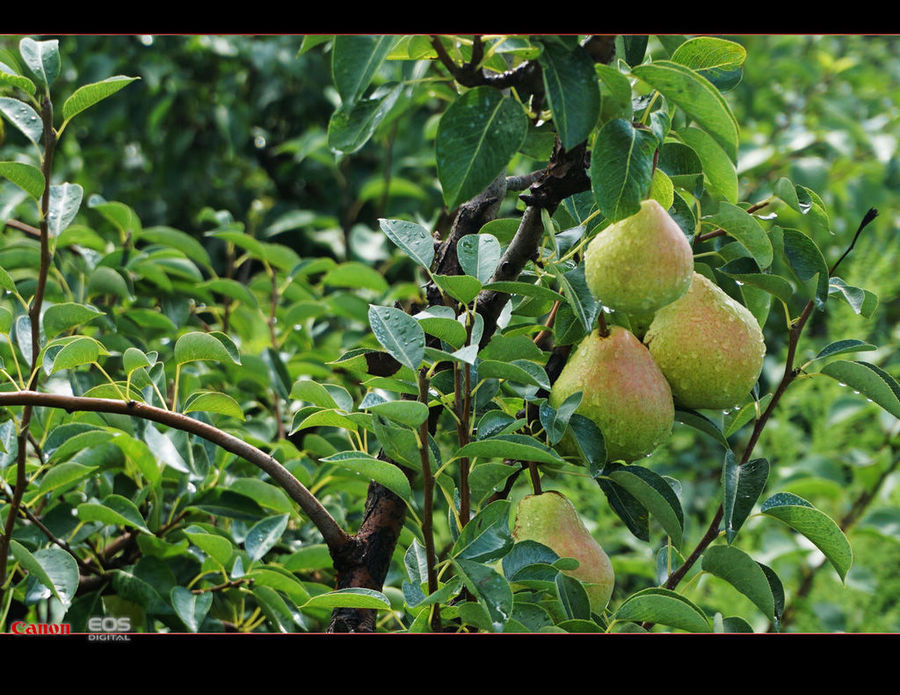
pixel 601 325
pixel 535 478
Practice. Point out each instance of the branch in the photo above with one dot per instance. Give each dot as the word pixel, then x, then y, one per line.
pixel 332 533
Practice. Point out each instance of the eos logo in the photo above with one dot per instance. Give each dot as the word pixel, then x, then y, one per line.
pixel 109 624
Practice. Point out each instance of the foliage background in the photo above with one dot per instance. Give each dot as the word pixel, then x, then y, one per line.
pixel 235 127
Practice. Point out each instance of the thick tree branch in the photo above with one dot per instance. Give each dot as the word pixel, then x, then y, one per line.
pixel 332 533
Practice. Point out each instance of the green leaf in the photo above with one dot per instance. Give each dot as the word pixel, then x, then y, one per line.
pixel 572 92
pixel 718 60
pixel 807 261
pixel 313 392
pixel 478 255
pixel 621 168
pixel 355 275
pixel 440 321
pixel 23 117
pixel 353 123
pixel 213 402
pixel 28 178
pixel 181 241
pixel 217 547
pixel 264 534
pixel 839 347
pixel 870 381
pixel 42 58
pixel 354 61
pixel 191 608
pixel 231 289
pixel 718 170
pixel 87 95
pixel 518 371
pixel 52 567
pixel 350 598
pixel 697 97
pixel 370 468
pixel 196 346
pixel 579 298
pixel 490 587
pixel 65 201
pixel 74 354
pixel 654 493
pixel 65 316
pixel 463 288
pixel 263 493
pixel 818 527
pixel 860 300
pixel 743 573
pixel 10 76
pixel 113 510
pixel 476 138
pixel 398 333
pixel 510 446
pixel 744 227
pixel 409 413
pixel 106 280
pixel 663 607
pixel 486 537
pixel 701 423
pixel 121 216
pixel 573 597
pixel 742 487
pixel 63 474
pixel 412 238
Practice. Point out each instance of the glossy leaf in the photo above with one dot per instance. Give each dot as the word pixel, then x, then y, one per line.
pixel 28 178
pixel 190 607
pixel 263 535
pixel 742 487
pixel 113 510
pixel 354 61
pixel 572 92
pixel 371 468
pixel 871 381
pixel 621 168
pixel 213 402
pixel 399 333
pixel 665 608
pixel 412 238
pixel 42 58
pixel 478 255
pixel 510 446
pixel 53 567
pixel 743 573
pixel 654 493
pixel 815 525
pixel 23 117
pixel 697 97
pixel 198 346
pixel 476 138
pixel 87 95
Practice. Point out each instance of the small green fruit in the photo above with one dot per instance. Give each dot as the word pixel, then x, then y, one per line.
pixel 551 520
pixel 623 392
pixel 709 346
pixel 641 263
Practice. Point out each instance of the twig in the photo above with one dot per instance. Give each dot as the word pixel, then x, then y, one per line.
pixel 331 532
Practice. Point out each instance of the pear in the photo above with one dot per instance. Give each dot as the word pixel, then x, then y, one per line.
pixel 640 263
pixel 623 392
pixel 551 519
pixel 709 346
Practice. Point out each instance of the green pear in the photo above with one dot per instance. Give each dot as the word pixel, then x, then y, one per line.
pixel 550 519
pixel 640 263
pixel 709 346
pixel 623 392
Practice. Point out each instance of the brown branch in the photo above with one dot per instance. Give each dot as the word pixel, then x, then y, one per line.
pixel 331 532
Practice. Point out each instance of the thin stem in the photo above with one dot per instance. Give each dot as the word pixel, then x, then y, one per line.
pixel 428 511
